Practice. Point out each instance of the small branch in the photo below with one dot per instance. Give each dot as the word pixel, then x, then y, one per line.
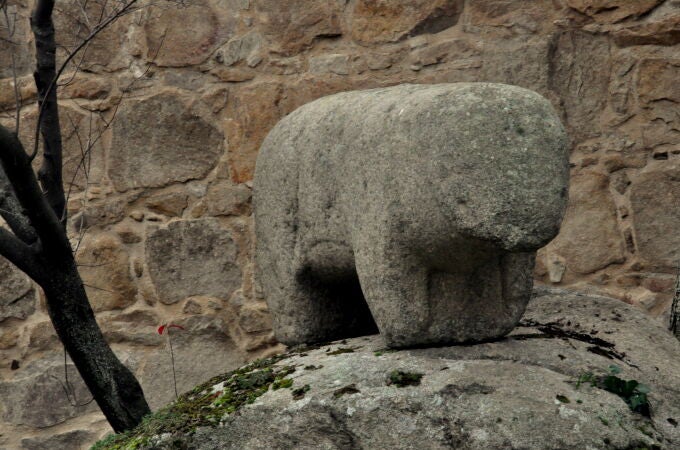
pixel 17 96
pixel 12 212
pixel 20 254
pixel 675 309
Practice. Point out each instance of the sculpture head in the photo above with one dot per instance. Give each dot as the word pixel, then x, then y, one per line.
pixel 502 169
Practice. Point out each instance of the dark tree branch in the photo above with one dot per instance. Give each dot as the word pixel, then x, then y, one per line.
pixel 50 173
pixel 20 174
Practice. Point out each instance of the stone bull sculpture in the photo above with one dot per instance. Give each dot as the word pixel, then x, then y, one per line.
pixel 418 208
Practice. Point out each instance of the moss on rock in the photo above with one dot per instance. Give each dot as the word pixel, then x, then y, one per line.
pixel 204 406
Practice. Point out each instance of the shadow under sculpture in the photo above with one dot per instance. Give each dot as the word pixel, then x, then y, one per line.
pixel 416 208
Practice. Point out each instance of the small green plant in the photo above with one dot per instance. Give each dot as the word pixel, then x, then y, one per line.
pixel 632 392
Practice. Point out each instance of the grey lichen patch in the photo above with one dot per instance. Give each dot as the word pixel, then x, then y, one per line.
pixel 402 379
pixel 206 405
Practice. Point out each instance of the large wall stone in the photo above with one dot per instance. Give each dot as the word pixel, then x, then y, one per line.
pixel 581 84
pixel 590 222
pixel 184 146
pixel 292 25
pixel 655 199
pixel 35 396
pixel 191 258
pixel 392 20
pixel 178 37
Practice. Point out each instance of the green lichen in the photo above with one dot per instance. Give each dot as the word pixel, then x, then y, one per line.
pixel 299 393
pixel 562 399
pixel 340 351
pixel 204 406
pixel 282 383
pixel 383 351
pixel 402 379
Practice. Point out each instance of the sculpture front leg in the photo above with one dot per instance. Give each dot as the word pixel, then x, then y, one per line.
pixel 420 301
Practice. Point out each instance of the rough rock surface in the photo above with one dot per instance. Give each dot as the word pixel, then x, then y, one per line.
pixel 521 392
pixel 436 197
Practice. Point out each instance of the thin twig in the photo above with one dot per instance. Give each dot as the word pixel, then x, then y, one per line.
pixel 172 359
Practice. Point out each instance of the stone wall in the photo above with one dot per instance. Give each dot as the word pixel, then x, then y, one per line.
pixel 171 106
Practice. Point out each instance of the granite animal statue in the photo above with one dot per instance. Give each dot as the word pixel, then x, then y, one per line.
pixel 415 208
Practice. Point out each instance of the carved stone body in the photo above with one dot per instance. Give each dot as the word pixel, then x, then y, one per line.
pixel 430 200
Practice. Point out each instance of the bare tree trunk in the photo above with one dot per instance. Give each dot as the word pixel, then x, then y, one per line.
pixel 675 309
pixel 49 261
pixel 45 75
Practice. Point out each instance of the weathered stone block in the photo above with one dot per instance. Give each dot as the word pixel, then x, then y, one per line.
pixel 392 20
pixel 431 200
pixel 68 440
pixel 182 147
pixel 292 25
pixel 253 111
pixel 192 257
